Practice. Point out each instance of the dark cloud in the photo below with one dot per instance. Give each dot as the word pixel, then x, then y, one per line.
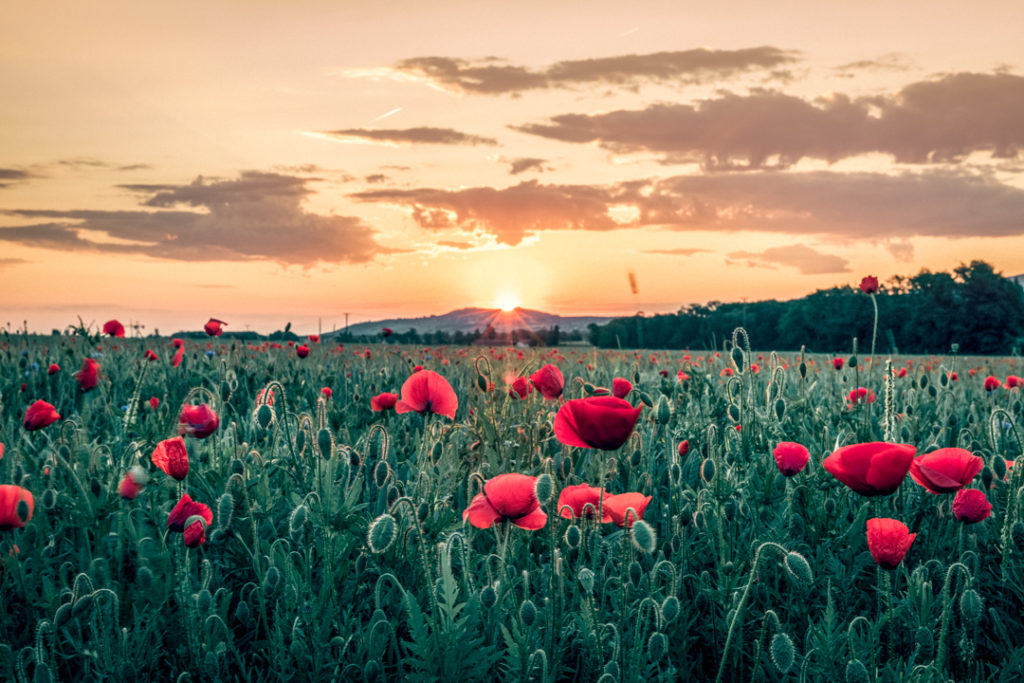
pixel 258 216
pixel 872 206
pixel 12 174
pixel 805 259
pixel 83 162
pixel 410 136
pixel 375 178
pixel 135 167
pixel 517 166
pixel 676 252
pixel 492 76
pixel 894 61
pixel 934 121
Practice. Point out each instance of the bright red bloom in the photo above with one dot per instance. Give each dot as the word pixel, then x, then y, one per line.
pixel 945 470
pixel 876 468
pixel 621 387
pixel 507 497
pixel 383 401
pixel 314 338
pixel 171 456
pixel 154 402
pixel 791 457
pixel 199 421
pixel 519 388
pixel 176 361
pixel 837 363
pixel 2 448
pixel 302 351
pixel 902 372
pixel 577 496
pixel 548 381
pixel 617 506
pixel 888 540
pixel 326 391
pixel 684 447
pixel 40 414
pixel 869 284
pixel 860 394
pixel 726 372
pixel 54 369
pixel 113 328
pixel 89 376
pixel 428 392
pixel 1013 382
pixel 132 483
pixel 10 497
pixel 417 368
pixel 386 331
pixel 991 383
pixel 971 506
pixel 149 355
pixel 192 519
pixel 603 422
pixel 177 343
pixel 953 377
pixel 213 327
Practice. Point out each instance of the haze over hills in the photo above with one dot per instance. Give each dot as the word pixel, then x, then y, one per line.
pixel 470 319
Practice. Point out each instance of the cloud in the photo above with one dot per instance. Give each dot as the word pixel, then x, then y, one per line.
pixel 134 167
pixel 5 262
pixel 893 61
pixel 375 178
pixel 941 120
pixel 871 206
pixel 258 216
pixel 493 76
pixel 675 252
pixel 15 175
pixel 799 256
pixel 408 136
pixel 522 164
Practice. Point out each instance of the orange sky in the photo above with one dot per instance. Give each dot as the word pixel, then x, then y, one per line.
pixel 265 162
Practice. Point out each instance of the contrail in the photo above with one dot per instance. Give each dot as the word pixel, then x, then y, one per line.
pixel 387 114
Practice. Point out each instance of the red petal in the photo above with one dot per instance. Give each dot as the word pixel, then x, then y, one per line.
pixel 480 513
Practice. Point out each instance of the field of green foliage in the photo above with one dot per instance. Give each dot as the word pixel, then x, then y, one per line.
pixel 222 510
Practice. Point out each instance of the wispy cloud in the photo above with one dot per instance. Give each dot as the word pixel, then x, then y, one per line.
pixel 407 136
pixel 941 120
pixel 523 164
pixel 675 252
pixel 805 259
pixel 9 176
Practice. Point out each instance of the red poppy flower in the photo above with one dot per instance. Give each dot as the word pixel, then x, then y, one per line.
pixel 10 499
pixel 417 368
pixel 971 506
pixel 54 369
pixel 726 372
pixel 314 338
pixel 618 505
pixel 876 468
pixel 176 361
pixel 113 328
pixel 326 391
pixel 548 381
pixel 149 355
pixel 89 376
pixel 1013 382
pixel 791 457
pixel 507 497
pixel 869 284
pixel 132 483
pixel 40 414
pixel 991 383
pixel 837 363
pixel 902 372
pixel 171 456
pixel 519 388
pixel 2 448
pixel 154 403
pixel 860 394
pixel 621 387
pixel 177 343
pixel 199 421
pixel 577 496
pixel 386 331
pixel 383 401
pixel 953 377
pixel 428 392
pixel 603 422
pixel 213 327
pixel 888 540
pixel 302 351
pixel 264 393
pixel 191 518
pixel 945 470
pixel 684 447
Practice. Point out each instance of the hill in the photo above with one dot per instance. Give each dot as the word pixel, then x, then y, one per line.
pixel 469 319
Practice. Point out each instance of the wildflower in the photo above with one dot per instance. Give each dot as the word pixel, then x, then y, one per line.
pixel 113 328
pixel 132 483
pixel 14 514
pixel 953 377
pixel 191 518
pixel 302 351
pixel 860 394
pixel 684 447
pixel 902 372
pixel 548 381
pixel 888 540
pixel 1013 382
pixel 869 284
pixel 199 421
pixel 149 355
pixel 837 363
pixel 618 505
pixel 89 376
pixel 383 401
pixel 991 383
pixel 621 387
pixel 573 499
pixel 603 422
pixel 428 392
pixel 791 457
pixel 214 327
pixel 519 388
pixel 876 468
pixel 314 339
pixel 327 393
pixel 970 506
pixel 171 456
pixel 945 470
pixel 507 497
pixel 386 331
pixel 54 369
pixel 176 361
pixel 40 414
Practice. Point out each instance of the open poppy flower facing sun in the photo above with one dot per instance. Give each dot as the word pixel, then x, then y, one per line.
pixel 507 497
pixel 603 422
pixel 428 392
pixel 199 421
pixel 89 376
pixel 888 540
pixel 214 327
pixel 16 507
pixel 791 457
pixel 573 499
pixel 40 414
pixel 383 401
pixel 548 381
pixel 171 456
pixel 113 328
pixel 876 468
pixel 945 470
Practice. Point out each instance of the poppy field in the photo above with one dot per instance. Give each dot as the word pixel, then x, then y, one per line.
pixel 225 510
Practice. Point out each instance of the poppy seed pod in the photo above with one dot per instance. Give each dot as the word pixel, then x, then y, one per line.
pixel 644 537
pixel 527 613
pixel 799 568
pixel 382 533
pixel 488 597
pixel 782 652
pixel 544 488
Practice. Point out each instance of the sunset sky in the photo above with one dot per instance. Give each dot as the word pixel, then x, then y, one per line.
pixel 265 162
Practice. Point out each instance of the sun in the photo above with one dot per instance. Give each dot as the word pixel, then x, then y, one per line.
pixel 507 301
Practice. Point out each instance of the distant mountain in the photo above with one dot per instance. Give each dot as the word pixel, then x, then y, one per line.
pixel 469 319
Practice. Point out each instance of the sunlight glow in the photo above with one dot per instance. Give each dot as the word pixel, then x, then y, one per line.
pixel 507 301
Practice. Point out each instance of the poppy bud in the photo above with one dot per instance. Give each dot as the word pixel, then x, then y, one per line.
pixel 799 568
pixel 63 615
pixel 645 398
pixel 782 652
pixel 422 512
pixel 544 488
pixel 382 533
pixel 663 413
pixel 925 641
pixel 372 671
pixel 49 499
pixel 573 536
pixel 922 381
pixel 586 579
pixel 81 605
pixel 707 470
pixel 643 536
pixel 999 467
pixel 971 606
pixel 986 476
pixel 272 579
pixel 297 520
pixel 734 412
pixel 242 612
pixel 527 613
pixel 852 362
pixel 264 416
pixel 780 409
pixel 488 597
pixel 657 646
pixel 675 474
pixel 204 600
pixel 636 572
pixel 670 608
pixel 325 442
pixel 856 672
pixel 803 370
